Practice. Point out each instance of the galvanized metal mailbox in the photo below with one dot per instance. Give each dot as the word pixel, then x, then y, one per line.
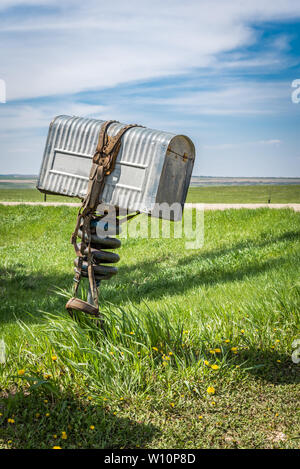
pixel 129 167
pixel 152 166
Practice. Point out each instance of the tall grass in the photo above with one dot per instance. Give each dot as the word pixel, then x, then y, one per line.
pixel 176 322
pixel 137 348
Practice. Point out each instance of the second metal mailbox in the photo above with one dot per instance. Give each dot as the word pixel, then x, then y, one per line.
pixel 152 167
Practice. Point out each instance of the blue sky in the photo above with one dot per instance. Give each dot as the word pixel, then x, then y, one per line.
pixel 219 71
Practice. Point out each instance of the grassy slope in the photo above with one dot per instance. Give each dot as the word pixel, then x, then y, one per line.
pixel 241 286
pixel 212 194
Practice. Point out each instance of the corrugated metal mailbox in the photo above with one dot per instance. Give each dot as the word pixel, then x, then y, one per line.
pixel 152 167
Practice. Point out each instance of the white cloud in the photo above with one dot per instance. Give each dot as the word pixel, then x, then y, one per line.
pixel 60 48
pixel 242 145
pixel 77 45
pixel 271 142
pixel 233 97
pixel 30 117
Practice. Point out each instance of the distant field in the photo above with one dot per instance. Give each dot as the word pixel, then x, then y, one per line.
pixel 238 181
pixel 245 194
pixel 213 194
pixel 17 181
pixel 30 195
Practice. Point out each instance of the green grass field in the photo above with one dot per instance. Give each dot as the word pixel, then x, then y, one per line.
pixel 178 324
pixel 11 194
pixel 280 194
pixel 213 194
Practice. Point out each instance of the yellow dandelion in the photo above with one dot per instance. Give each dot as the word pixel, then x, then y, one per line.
pixel 10 420
pixel 234 349
pixel 242 331
pixel 200 417
pixel 277 341
pixel 211 390
pixel 47 414
pixel 214 367
pixel 9 442
pixel 206 362
pixel 212 352
pixel 217 350
pixel 131 333
pixel 155 349
pixel 170 353
pixel 54 358
pixel 89 398
pixel 227 341
pixel 46 401
pixel 172 404
pixel 92 427
pixel 213 403
pixel 56 447
pixel 278 361
pixel 21 372
pixel 54 436
pixel 64 435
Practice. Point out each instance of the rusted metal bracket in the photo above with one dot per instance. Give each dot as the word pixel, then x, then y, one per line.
pixel 101 230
